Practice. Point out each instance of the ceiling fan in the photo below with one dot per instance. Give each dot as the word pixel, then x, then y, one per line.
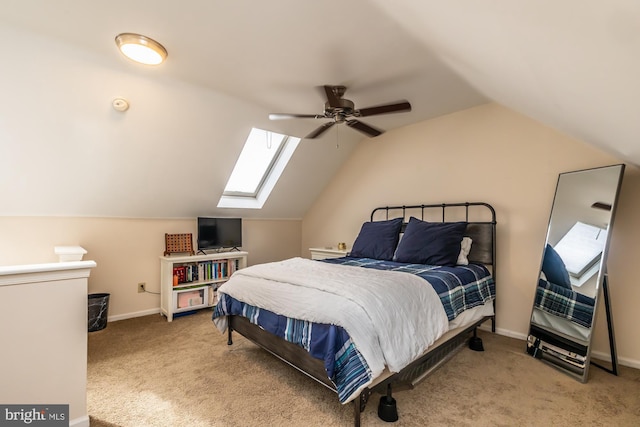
pixel 341 110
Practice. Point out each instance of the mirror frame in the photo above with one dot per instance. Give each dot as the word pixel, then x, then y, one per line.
pixel 542 342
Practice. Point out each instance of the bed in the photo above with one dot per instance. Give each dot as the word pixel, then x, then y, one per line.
pixel 560 329
pixel 564 303
pixel 417 283
pixel 557 305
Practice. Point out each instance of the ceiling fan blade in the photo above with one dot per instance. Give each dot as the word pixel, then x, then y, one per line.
pixel 364 128
pixel 283 116
pixel 333 100
pixel 396 107
pixel 319 131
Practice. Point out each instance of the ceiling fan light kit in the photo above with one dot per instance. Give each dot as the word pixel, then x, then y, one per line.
pixel 341 110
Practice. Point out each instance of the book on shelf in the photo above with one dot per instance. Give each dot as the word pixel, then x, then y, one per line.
pixel 212 270
pixel 206 270
pixel 186 273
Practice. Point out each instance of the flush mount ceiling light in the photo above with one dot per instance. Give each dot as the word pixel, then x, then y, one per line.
pixel 141 49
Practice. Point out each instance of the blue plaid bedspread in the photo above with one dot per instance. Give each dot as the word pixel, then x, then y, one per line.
pixel 344 364
pixel 564 302
pixel 459 288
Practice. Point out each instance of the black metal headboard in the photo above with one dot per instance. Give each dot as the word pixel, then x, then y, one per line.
pixel 480 216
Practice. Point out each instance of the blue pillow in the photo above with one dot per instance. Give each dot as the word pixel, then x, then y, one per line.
pixel 554 269
pixel 433 243
pixel 377 240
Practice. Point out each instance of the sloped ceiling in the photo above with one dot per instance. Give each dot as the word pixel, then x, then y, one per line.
pixel 572 65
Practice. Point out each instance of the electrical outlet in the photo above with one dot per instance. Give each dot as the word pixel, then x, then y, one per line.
pixel 141 288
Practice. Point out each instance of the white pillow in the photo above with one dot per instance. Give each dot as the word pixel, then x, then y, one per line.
pixel 465 248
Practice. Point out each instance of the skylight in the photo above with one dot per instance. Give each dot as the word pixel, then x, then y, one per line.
pixel 261 162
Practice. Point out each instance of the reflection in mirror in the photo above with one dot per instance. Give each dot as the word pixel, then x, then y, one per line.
pixel 573 270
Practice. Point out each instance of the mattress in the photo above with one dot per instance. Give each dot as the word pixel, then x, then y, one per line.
pixel 561 325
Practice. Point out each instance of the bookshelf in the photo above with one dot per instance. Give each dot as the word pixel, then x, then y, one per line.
pixel 191 282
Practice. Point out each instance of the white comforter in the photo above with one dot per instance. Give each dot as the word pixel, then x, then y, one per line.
pixel 391 317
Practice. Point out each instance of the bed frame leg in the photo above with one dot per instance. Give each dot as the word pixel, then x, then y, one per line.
pixel 387 409
pixel 359 403
pixel 229 331
pixel 475 342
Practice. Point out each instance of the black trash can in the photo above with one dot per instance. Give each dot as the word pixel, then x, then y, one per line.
pixel 98 311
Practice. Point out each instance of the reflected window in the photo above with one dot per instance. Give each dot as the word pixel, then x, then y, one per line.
pixel 581 247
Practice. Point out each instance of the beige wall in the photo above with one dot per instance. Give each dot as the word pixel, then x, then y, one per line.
pixel 271 240
pixel 490 154
pixel 127 251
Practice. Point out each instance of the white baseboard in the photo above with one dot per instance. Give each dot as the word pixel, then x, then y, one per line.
pixel 624 361
pixel 134 314
pixel 511 334
pixel 79 422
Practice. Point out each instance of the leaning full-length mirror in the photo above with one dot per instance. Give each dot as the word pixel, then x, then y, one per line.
pixel 573 269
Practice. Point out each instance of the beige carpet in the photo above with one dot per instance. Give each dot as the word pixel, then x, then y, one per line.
pixel 147 372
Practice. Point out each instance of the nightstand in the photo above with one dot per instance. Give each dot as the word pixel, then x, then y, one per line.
pixel 323 253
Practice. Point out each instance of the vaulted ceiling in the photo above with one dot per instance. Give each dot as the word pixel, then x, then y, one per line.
pixel 572 65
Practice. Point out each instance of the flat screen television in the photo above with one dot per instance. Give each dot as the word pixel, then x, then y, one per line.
pixel 219 233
